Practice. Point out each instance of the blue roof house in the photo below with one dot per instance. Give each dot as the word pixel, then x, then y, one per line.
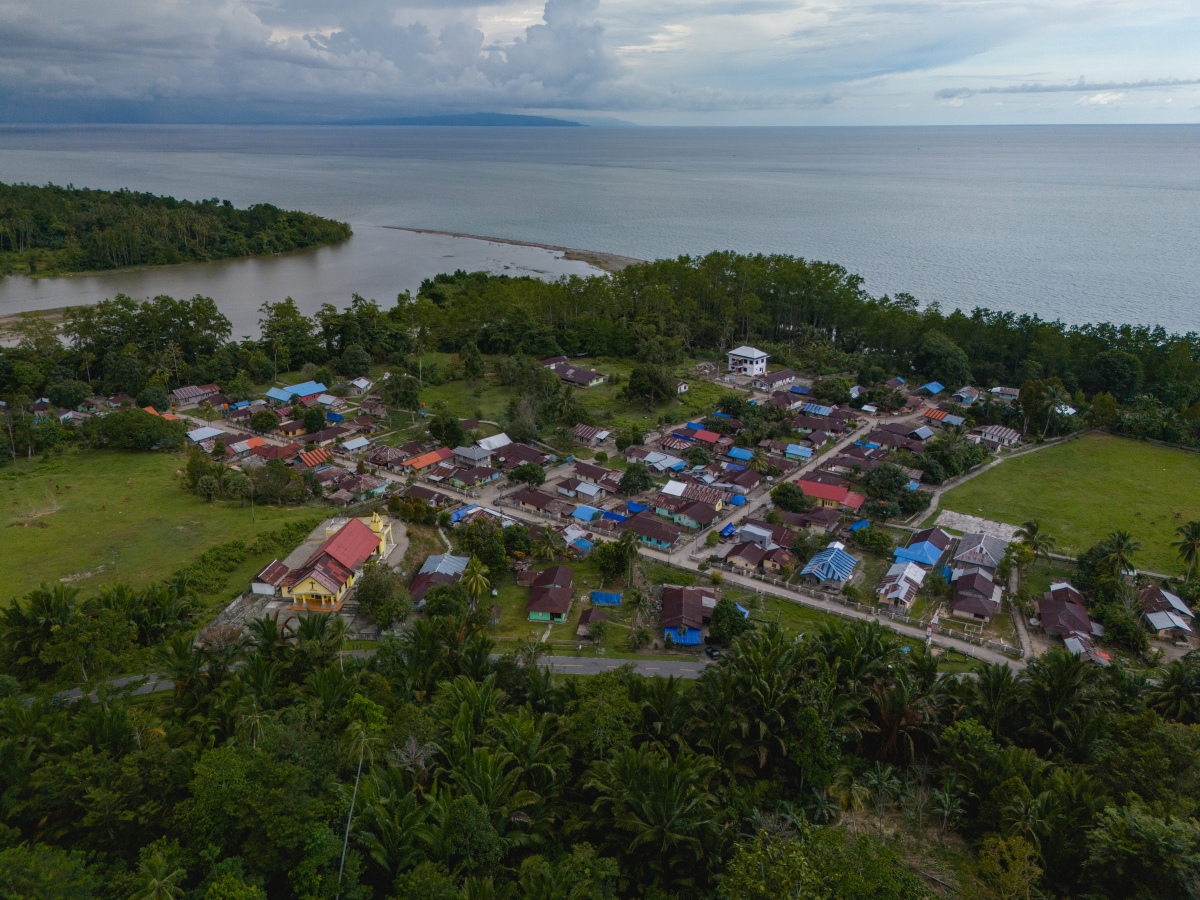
pixel 832 566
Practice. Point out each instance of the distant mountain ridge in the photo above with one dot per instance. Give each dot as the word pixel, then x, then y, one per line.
pixel 474 119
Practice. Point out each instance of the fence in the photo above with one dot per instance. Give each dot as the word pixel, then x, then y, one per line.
pixel 799 595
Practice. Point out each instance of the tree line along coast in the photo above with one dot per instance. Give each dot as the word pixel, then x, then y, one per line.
pixel 52 230
pixel 834 761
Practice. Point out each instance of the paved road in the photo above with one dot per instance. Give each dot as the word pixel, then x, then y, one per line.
pixel 589 665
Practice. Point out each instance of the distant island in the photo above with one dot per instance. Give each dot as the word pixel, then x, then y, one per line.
pixel 475 119
pixel 54 230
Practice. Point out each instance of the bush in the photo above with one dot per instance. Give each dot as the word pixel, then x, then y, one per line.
pixel 727 622
pixel 790 497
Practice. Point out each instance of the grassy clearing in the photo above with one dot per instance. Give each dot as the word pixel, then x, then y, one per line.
pixel 89 515
pixel 1083 489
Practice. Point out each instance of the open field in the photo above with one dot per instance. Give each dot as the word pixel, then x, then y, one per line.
pixel 1081 490
pixel 91 515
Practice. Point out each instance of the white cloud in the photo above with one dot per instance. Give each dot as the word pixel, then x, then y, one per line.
pixel 710 58
pixel 1104 98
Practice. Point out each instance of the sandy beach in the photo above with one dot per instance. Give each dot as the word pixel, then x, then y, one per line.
pixel 609 262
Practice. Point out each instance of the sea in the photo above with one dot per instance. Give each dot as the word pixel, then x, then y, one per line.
pixel 1079 224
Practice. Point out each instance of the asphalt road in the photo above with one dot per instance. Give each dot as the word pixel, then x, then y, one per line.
pixel 590 665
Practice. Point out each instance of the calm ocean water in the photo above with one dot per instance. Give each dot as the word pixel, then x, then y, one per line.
pixel 1078 223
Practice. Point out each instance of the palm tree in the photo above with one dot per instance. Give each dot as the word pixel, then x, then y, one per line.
pixel 1054 399
pixel 1176 696
pixel 362 738
pixel 160 881
pixel 474 579
pixel 759 462
pixel 946 806
pixel 996 696
pixel 1036 540
pixel 1118 548
pixel 850 794
pixel 883 784
pixel 566 403
pixel 550 545
pixel 1189 546
pixel 627 543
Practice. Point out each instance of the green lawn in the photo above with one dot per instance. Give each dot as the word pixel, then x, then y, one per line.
pixel 1081 490
pixel 125 512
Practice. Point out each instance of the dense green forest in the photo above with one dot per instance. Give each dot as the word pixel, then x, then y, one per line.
pixel 51 229
pixel 833 765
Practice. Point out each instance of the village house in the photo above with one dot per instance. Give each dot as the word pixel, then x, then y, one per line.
pixel 1165 614
pixel 441 568
pixel 425 460
pixel 472 456
pixel 589 435
pixel 899 586
pixel 984 551
pixel 532 501
pixel 685 610
pixel 581 378
pixel 587 618
pixel 975 596
pixel 831 567
pixel 831 496
pixel 358 386
pixel 193 395
pixel 747 361
pixel 550 596
pixel 773 381
pixel 296 393
pixel 515 454
pixel 681 387
pixel 652 530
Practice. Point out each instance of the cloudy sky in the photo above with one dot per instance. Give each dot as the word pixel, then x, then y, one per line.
pixel 646 61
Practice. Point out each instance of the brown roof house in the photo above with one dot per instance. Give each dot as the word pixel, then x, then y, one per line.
pixel 684 612
pixel 976 596
pixel 550 596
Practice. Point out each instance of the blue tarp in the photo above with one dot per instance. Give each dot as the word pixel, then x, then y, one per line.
pixel 797 389
pixel 615 517
pixel 688 637
pixel 745 612
pixel 240 405
pixel 913 485
pixel 602 599
pixel 737 500
pixel 635 507
pixel 585 513
pixel 734 467
pixel 680 434
pixel 728 530
pixel 695 426
pixel 933 387
pixel 335 417
pixel 458 514
pixel 739 453
pixel 860 525
pixel 721 415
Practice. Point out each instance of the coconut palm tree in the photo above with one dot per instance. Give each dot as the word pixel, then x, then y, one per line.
pixel 1054 398
pixel 1119 547
pixel 946 806
pixel 160 880
pixel 995 696
pixel 550 545
pixel 1176 696
pixel 850 794
pixel 1189 546
pixel 474 580
pixel 1036 540
pixel 883 784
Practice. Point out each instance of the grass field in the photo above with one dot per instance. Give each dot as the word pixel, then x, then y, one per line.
pixel 89 515
pixel 1083 489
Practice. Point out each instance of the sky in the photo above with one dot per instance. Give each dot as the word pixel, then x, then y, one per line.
pixel 651 62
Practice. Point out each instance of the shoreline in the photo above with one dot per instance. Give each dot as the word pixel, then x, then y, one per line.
pixel 609 262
